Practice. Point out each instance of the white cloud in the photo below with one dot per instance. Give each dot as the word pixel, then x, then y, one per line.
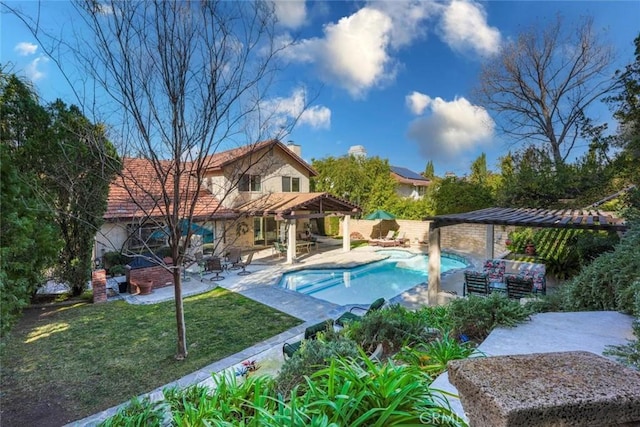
pixel 464 27
pixel 417 102
pixel 25 48
pixel 451 128
pixel 283 110
pixel 407 17
pixel 32 71
pixel 355 53
pixel 290 13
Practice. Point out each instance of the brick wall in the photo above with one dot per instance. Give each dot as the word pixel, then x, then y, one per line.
pixel 159 275
pixel 99 285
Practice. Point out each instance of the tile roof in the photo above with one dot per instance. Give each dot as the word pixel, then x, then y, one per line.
pixel 137 192
pixel 219 160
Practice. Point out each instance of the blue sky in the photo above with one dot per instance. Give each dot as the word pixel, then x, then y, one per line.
pixel 395 77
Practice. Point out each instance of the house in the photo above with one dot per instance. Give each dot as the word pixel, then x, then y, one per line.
pixel 409 183
pixel 247 197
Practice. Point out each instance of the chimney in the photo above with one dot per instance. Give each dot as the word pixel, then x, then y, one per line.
pixel 295 148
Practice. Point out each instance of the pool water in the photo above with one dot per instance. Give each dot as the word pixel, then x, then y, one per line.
pixel 364 284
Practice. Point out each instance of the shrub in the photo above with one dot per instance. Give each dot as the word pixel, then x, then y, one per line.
pixel 476 316
pixel 393 327
pixel 611 281
pixel 433 357
pixel 138 413
pixel 312 356
pixel 230 402
pixel 365 393
pixel 628 354
pixel 117 270
pixel 113 258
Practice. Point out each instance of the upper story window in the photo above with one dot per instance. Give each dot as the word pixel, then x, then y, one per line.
pixel 249 183
pixel 290 184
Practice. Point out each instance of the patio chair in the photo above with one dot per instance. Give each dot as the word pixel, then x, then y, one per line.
pixel 518 287
pixel 245 264
pixel 475 283
pixel 349 316
pixel 214 265
pixel 309 334
pixel 234 258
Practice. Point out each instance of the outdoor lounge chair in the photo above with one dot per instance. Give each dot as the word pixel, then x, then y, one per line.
pixel 388 239
pixel 349 316
pixel 475 283
pixel 309 334
pixel 214 265
pixel 245 264
pixel 518 287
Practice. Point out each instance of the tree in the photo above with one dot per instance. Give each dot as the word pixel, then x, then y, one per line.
pixel 543 82
pixel 627 111
pixel 75 163
pixel 429 171
pixel 453 195
pixel 188 79
pixel 364 181
pixel 479 171
pixel 30 241
pixel 530 180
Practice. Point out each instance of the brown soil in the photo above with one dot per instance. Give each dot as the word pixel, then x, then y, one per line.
pixel 23 407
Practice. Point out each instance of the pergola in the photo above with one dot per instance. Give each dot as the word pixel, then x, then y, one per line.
pixel 585 219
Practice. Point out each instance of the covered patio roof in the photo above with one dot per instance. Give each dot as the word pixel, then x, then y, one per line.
pixel 285 205
pixel 589 219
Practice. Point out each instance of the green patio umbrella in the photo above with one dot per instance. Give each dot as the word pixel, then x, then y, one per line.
pixel 381 215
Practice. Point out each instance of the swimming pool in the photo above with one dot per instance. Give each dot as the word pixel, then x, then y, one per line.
pixel 362 285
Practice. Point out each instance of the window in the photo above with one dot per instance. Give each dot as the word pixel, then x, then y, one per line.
pixel 249 183
pixel 290 184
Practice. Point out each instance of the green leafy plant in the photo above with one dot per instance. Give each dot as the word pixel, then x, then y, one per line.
pixel 476 316
pixel 360 392
pixel 313 355
pixel 433 357
pixel 393 327
pixel 117 270
pixel 628 354
pixel 611 281
pixel 138 413
pixel 113 258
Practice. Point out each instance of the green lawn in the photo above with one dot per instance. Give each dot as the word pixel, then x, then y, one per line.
pixel 96 356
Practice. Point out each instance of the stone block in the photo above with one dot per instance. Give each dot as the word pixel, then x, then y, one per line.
pixel 547 389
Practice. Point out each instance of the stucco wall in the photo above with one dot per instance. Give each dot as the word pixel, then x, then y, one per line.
pixel 111 237
pixel 270 164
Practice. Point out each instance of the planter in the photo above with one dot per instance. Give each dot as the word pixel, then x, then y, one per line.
pixel 145 287
pixel 122 287
pixel 530 249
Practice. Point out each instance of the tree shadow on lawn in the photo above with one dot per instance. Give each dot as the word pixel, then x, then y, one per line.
pixel 64 363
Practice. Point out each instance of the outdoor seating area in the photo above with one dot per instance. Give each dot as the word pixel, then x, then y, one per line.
pixel 515 278
pixel 390 240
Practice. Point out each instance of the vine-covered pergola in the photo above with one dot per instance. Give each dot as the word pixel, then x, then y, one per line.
pixel 584 219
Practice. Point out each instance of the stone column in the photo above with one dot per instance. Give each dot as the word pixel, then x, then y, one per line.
pixel 346 235
pixel 291 241
pixel 489 243
pixel 99 285
pixel 434 266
